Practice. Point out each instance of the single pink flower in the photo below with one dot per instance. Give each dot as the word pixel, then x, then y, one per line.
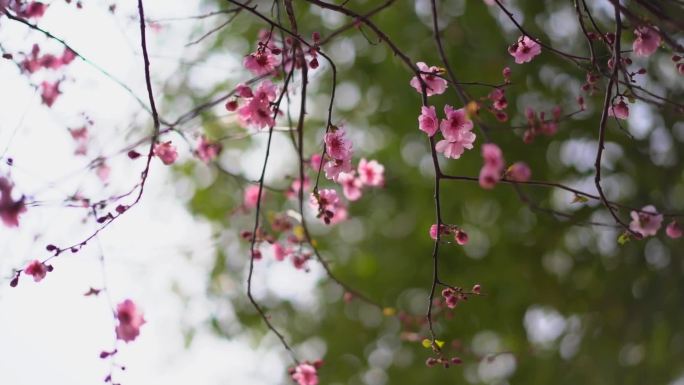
pixel 258 111
pixel 524 50
pixel 427 120
pixel 9 208
pixel 461 237
pixel 435 85
pixel 251 196
pixel 261 62
pixel 673 230
pixel 519 172
pixel 305 374
pixel 36 269
pixel 351 185
pixel 646 42
pixel 457 125
pixel 207 150
pixel 337 146
pixel 49 93
pixel 492 155
pixel 130 320
pixel 166 151
pixel 244 91
pixel 644 223
pixel 371 173
pixel 489 177
pixel 619 110
pixel 452 150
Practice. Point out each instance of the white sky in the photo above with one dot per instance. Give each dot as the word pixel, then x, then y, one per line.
pixel 50 332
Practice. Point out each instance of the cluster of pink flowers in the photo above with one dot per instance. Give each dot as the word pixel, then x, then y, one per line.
pixel 370 173
pixel 257 110
pixel 130 319
pixel 492 170
pixel 10 209
pixel 456 129
pixel 306 373
pixel 646 42
pixel 539 124
pixel 524 50
pixel 327 204
pixel 460 236
pixel 434 84
pixel 166 152
pixel 339 151
pixel 34 61
pixel 646 222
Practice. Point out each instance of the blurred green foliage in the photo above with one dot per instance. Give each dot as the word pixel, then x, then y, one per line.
pixel 563 299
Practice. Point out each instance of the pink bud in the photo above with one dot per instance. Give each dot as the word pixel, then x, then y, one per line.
pixel 673 230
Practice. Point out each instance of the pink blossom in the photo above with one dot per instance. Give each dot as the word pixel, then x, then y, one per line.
pixel 519 172
pixel 9 208
pixel 166 151
pixel 34 9
pixel 261 62
pixel 461 237
pixel 207 150
pixel 673 230
pixel 646 224
pixel 258 111
pixel 456 129
pixel 452 150
pixel 326 203
pixel 334 167
pixel 646 42
pixel 371 173
pixel 244 91
pixel 36 269
pixel 351 185
pixel 251 196
pixel 489 177
pixel 524 50
pixel 457 125
pixel 492 155
pixel 280 252
pixel 619 110
pixel 49 92
pixel 130 320
pixel 445 230
pixel 427 120
pixel 498 97
pixel 68 56
pixel 434 85
pixel 337 146
pixel 305 374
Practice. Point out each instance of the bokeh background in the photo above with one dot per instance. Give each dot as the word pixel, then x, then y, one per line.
pixel 564 303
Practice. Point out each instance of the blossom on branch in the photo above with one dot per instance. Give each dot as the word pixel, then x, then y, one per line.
pixel 524 50
pixel 646 42
pixel 434 85
pixel 646 222
pixel 130 320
